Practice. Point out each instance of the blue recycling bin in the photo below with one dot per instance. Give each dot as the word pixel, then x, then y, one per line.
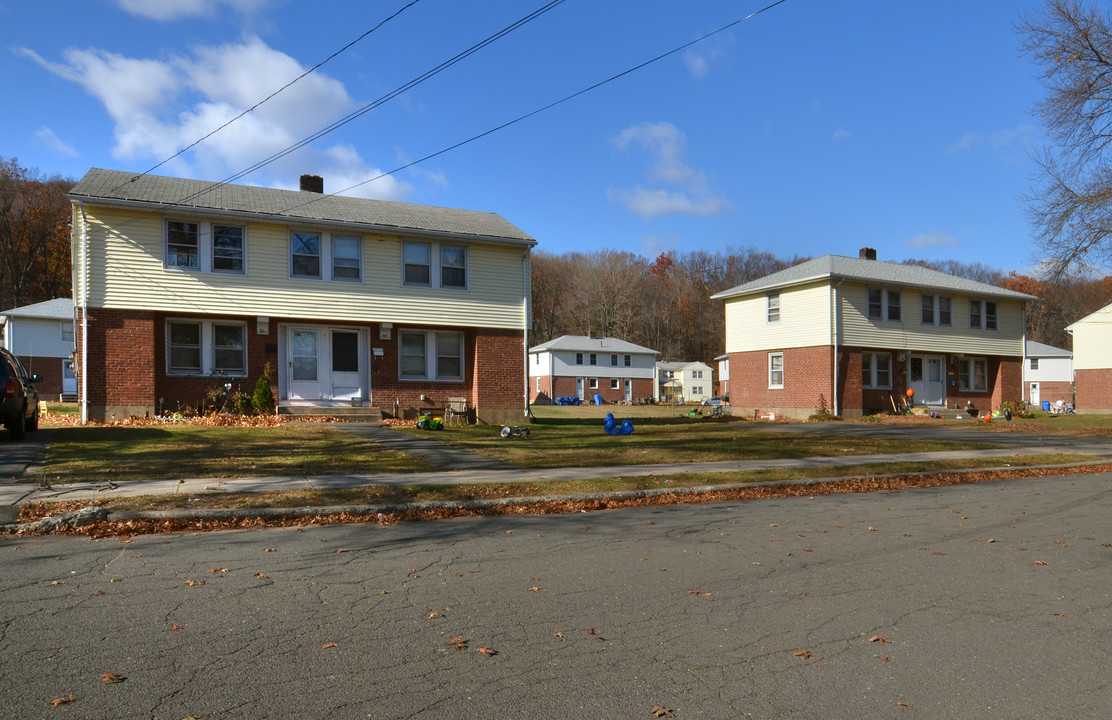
pixel 598 398
pixel 1046 405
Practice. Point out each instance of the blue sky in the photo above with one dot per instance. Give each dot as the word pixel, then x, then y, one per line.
pixel 814 127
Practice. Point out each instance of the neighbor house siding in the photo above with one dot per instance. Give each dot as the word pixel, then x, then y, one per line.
pixel 911 334
pixel 1092 342
pixel 804 320
pixel 138 280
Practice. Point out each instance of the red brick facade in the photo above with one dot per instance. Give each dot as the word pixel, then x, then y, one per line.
pixel 1094 390
pixel 50 369
pixel 1050 392
pixel 807 376
pixel 127 369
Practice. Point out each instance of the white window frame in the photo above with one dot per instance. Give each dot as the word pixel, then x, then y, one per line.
pixel 207 349
pixel 628 361
pixel 615 384
pixel 579 358
pixel 941 310
pixel 967 374
pixel 336 240
pixel 219 254
pixel 773 308
pixel 987 314
pixel 66 329
pixel 889 311
pixel 431 346
pixel 870 364
pixel 593 359
pixel 204 254
pixel 1034 363
pixel 613 360
pixel 774 382
pixel 438 265
pixel 592 383
pixel 319 255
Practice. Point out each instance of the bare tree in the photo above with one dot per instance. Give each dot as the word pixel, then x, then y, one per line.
pixel 1071 206
pixel 34 236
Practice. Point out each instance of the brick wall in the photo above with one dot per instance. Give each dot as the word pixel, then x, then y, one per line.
pixel 499 380
pixel 121 376
pixel 1094 390
pixel 807 374
pixel 1050 391
pixel 50 369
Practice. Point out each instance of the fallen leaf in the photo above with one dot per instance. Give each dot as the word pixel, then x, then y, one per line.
pixel 872 529
pixel 488 651
pixel 698 592
pixel 592 632
pixel 459 645
pixel 879 639
pixel 803 654
pixel 175 627
pixel 57 582
pixel 341 550
pixel 260 575
pixel 213 571
pixel 909 707
pixel 111 678
pixel 193 583
pixel 662 712
pixel 328 645
pixel 269 550
pixel 559 635
pixel 1041 562
pixel 62 700
pixel 433 614
pixel 885 658
pixel 991 540
pixel 535 589
pixel 98 592
pixel 509 532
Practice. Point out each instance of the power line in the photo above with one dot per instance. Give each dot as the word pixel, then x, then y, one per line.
pixel 549 106
pixel 200 140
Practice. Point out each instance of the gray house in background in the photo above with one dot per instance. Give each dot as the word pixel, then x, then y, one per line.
pixel 42 336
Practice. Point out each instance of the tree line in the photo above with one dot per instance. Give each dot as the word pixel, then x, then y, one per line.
pixel 34 236
pixel 665 304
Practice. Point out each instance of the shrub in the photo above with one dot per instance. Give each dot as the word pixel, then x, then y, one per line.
pixel 823 413
pixel 263 399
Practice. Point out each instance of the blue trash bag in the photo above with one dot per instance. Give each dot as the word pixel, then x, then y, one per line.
pixel 611 426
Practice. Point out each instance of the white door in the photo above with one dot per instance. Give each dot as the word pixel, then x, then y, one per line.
pixel 1036 398
pixel 579 388
pixel 304 364
pixel 346 378
pixel 628 391
pixel 926 377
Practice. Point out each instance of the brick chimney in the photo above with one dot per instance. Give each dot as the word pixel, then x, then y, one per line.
pixel 312 183
pixel 867 254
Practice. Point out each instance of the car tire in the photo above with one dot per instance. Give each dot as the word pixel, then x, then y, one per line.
pixel 17 429
pixel 33 423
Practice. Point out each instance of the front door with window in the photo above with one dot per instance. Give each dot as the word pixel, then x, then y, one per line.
pixel 579 388
pixel 926 376
pixel 346 379
pixel 303 364
pixel 628 391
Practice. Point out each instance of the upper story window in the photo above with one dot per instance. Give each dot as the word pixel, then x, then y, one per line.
pixel 305 255
pixel 594 359
pixel 884 304
pixel 774 307
pixel 982 314
pixel 579 358
pixel 614 361
pixel 434 265
pixel 206 246
pixel 67 331
pixel 628 360
pixel 182 244
pixel 1034 363
pixel 346 258
pixel 936 310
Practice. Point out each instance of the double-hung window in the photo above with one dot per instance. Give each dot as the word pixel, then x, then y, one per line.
pixel 615 384
pixel 774 307
pixel 876 371
pixel 431 356
pixel 433 265
pixel 628 360
pixel 1034 363
pixel 206 347
pixel 206 246
pixel 346 260
pixel 973 375
pixel 579 358
pixel 935 310
pixel 305 255
pixel 883 304
pixel 982 314
pixel 613 361
pixel 594 359
pixel 776 370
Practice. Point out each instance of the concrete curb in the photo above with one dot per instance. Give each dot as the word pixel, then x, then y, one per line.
pixel 218 514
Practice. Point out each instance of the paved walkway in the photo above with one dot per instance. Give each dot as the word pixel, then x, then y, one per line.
pixel 461 467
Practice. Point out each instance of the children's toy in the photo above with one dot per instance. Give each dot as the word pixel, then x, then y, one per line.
pixel 517 431
pixel 611 426
pixel 428 422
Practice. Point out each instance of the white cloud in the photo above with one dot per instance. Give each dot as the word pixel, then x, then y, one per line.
pixel 47 137
pixel 162 106
pixel 841 134
pixel 931 239
pixel 697 64
pixel 164 10
pixel 666 146
pixel 698 58
pixel 1010 145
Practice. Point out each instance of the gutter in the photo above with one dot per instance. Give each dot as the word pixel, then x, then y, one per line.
pixel 84 300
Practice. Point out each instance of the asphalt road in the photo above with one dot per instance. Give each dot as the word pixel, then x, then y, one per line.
pixel 986 601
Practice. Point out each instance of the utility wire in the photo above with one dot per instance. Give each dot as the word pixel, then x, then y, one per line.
pixel 549 106
pixel 200 140
pixel 372 105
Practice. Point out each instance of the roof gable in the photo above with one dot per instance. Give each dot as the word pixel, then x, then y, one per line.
pixel 832 267
pixel 583 343
pixel 164 193
pixel 58 309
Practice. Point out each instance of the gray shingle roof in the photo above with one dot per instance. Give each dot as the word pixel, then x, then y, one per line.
pixel 582 343
pixel 1038 349
pixel 154 190
pixel 59 309
pixel 870 271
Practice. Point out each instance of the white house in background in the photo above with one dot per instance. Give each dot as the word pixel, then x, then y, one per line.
pixel 42 336
pixel 1092 361
pixel 1047 374
pixel 722 386
pixel 691 381
pixel 581 366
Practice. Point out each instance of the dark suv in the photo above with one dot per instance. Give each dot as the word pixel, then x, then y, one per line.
pixel 19 400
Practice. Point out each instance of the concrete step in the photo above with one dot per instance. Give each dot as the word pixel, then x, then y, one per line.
pixel 347 412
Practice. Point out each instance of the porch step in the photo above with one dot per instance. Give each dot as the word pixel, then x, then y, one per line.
pixel 354 414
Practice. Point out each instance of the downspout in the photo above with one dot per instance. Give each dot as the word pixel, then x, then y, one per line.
pixel 84 314
pixel 525 323
pixel 834 378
